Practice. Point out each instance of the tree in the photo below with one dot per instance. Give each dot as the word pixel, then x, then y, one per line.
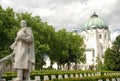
pixel 112 56
pixel 99 64
pixel 75 49
pixel 7 29
pixel 69 48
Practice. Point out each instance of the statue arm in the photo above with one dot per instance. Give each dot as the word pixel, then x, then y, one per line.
pixel 28 37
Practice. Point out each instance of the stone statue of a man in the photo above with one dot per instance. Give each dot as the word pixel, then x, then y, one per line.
pixel 23 47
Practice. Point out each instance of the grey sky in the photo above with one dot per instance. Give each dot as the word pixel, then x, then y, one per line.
pixel 69 13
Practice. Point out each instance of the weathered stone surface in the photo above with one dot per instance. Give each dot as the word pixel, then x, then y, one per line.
pixel 53 76
pixel 76 75
pixel 2 68
pixel 89 74
pixel 46 77
pixel 13 79
pixel 2 80
pixel 118 79
pixel 71 76
pixel 66 76
pixel 113 79
pixel 37 78
pixel 60 77
pixel 93 74
pixel 23 80
pixel 80 75
pixel 107 80
pixel 85 75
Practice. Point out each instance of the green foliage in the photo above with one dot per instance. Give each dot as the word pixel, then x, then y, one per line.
pixel 99 65
pixel 69 48
pixel 112 56
pixel 7 25
pixel 109 59
pixel 8 75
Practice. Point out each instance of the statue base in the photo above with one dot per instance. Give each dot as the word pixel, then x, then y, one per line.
pixel 17 80
pixel 2 80
pixel 20 80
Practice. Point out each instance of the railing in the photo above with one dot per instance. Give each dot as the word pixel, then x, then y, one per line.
pixel 2 64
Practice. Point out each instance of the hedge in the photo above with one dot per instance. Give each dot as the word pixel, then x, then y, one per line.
pixel 9 75
pixel 96 78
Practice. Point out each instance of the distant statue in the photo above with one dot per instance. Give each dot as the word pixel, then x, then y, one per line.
pixel 23 48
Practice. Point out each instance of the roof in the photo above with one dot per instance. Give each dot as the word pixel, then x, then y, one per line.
pixel 95 22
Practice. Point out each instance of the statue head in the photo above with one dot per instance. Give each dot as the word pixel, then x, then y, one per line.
pixel 23 23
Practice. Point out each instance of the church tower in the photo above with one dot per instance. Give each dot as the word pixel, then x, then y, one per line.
pixel 96 37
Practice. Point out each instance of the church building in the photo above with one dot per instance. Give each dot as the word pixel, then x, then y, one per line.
pixel 96 36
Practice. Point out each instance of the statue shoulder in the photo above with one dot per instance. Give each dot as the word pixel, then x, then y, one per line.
pixel 28 30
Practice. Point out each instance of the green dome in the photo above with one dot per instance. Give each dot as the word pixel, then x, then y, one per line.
pixel 95 23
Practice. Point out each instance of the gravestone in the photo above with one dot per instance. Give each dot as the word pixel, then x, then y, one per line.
pixel 66 76
pixel 113 79
pixel 85 75
pixel 46 77
pixel 80 75
pixel 37 78
pixel 53 76
pixel 107 80
pixel 71 76
pixel 60 77
pixel 89 74
pixel 76 75
pixel 118 79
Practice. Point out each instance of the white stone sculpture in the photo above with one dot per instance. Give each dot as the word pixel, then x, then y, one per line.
pixel 23 48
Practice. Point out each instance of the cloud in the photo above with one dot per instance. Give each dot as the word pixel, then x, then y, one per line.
pixel 68 13
pixel 114 34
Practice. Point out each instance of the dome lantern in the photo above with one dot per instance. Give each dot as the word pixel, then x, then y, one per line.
pixel 94 15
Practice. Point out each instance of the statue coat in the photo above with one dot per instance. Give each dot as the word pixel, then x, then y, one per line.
pixel 24 49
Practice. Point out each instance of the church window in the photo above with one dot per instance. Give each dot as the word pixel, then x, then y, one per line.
pixel 100 36
pixel 105 36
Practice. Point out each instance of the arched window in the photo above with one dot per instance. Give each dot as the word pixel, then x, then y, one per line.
pixel 105 36
pixel 100 36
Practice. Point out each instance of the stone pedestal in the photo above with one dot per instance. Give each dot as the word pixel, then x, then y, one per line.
pixel 22 80
pixel 2 80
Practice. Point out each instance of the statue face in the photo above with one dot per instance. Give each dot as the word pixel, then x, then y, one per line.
pixel 23 23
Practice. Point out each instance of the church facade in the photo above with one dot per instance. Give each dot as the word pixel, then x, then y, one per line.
pixel 96 37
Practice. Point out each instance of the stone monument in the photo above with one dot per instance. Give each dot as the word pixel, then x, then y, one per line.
pixel 23 53
pixel 23 49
